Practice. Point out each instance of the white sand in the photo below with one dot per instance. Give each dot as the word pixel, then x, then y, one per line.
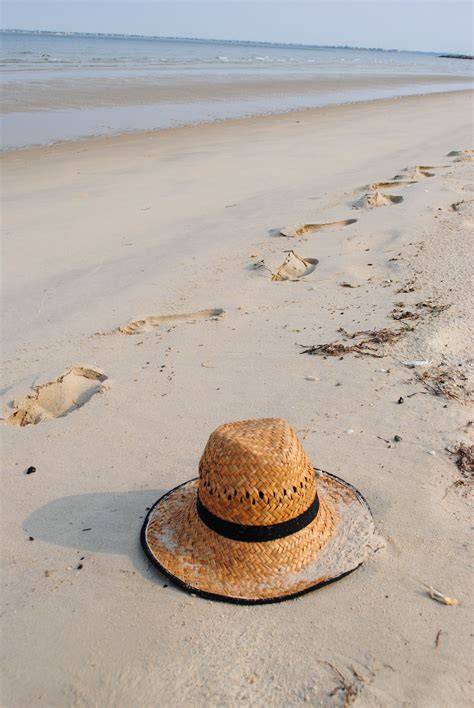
pixel 103 233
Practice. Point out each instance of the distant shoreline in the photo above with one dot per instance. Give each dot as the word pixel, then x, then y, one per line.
pixel 198 40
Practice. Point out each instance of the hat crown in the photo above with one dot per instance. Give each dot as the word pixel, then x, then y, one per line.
pixel 255 472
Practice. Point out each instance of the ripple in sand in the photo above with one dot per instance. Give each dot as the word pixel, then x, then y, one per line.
pixel 295 267
pixel 375 200
pixel 58 398
pixel 302 229
pixel 148 324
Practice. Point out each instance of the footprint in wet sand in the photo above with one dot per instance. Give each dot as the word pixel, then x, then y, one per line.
pixel 58 398
pixel 375 200
pixel 148 324
pixel 303 229
pixel 295 267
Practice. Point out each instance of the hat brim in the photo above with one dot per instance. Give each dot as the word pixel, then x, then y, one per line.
pixel 205 563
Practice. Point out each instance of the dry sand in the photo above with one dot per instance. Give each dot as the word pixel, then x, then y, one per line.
pixel 114 231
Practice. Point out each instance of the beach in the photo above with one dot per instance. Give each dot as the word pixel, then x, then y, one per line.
pixel 57 87
pixel 104 238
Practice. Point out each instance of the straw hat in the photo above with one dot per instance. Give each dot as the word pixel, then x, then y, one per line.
pixel 260 524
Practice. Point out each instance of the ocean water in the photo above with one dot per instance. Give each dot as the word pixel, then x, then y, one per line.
pixel 67 87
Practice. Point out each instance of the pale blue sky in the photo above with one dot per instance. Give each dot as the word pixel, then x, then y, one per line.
pixel 428 25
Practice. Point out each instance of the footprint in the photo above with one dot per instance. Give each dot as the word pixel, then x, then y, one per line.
pixel 295 267
pixel 58 398
pixel 295 231
pixel 388 185
pixel 416 173
pixel 456 153
pixel 148 324
pixel 377 199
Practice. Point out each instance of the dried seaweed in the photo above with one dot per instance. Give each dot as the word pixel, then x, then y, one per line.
pixel 368 346
pixel 464 459
pixel 447 381
pixel 334 349
pixel 349 690
pixel 398 314
pixel 377 336
pixel 434 308
pixel 420 310
pixel 408 287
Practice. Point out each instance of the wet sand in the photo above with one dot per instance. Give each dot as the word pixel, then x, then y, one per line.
pixel 71 106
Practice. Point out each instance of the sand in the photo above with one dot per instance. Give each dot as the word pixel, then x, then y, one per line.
pixel 137 229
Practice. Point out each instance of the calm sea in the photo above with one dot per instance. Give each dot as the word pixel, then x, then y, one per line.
pixel 63 87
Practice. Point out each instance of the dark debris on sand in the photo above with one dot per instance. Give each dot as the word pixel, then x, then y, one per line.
pixel 464 459
pixel 419 310
pixel 369 344
pixel 447 381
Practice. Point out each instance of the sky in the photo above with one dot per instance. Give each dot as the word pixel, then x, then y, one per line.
pixel 425 25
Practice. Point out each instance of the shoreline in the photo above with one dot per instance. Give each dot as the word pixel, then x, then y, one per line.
pixel 134 134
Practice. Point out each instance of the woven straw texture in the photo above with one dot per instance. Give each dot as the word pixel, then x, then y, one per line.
pixel 257 473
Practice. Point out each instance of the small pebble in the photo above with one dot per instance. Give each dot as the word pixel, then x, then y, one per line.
pixel 401 400
pixel 30 538
pixel 80 566
pixel 31 470
pixel 397 438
